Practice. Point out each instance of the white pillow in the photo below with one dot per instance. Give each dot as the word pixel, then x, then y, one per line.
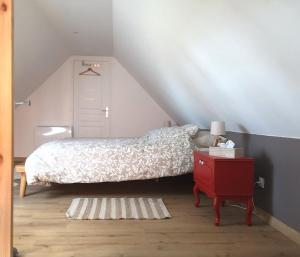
pixel 190 129
pixel 157 135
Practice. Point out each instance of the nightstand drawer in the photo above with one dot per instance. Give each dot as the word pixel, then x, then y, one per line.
pixel 201 160
pixel 203 170
pixel 205 160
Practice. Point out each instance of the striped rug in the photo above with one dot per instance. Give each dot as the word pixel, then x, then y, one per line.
pixel 117 208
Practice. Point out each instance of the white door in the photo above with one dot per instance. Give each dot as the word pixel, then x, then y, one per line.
pixel 91 99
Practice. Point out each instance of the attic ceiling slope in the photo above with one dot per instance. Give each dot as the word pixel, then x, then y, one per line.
pixel 209 60
pixel 38 49
pixel 85 24
pixel 47 32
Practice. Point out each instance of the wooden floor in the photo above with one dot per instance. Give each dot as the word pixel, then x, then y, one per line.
pixel 41 228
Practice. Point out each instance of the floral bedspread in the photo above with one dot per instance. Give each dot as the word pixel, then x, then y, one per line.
pixel 162 152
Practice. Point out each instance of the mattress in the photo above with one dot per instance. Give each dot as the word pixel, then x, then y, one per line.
pixel 160 153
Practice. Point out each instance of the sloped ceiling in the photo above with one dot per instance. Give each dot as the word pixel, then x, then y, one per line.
pixel 47 32
pixel 206 60
pixel 86 25
pixel 230 60
pixel 38 48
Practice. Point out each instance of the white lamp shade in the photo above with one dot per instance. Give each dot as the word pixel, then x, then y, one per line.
pixel 217 128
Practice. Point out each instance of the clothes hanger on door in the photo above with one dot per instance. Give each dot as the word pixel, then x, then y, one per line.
pixel 93 73
pixel 89 69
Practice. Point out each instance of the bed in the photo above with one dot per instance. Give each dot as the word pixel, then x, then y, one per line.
pixel 160 153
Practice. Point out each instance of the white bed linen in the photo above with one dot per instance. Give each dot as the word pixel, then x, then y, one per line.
pixel 160 153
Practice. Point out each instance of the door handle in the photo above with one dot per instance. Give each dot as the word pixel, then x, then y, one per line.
pixel 106 110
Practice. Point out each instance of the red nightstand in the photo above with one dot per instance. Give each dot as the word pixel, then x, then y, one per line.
pixel 224 179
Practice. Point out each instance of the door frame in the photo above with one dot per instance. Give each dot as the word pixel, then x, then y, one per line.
pixel 6 128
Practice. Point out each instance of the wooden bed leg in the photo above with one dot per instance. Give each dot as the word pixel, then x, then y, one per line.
pixel 23 185
pixel 21 170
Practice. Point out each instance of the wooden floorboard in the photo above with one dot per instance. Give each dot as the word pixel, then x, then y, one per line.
pixel 41 229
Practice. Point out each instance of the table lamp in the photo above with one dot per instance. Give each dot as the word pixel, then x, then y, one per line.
pixel 217 129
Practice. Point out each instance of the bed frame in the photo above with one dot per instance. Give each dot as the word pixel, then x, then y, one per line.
pixel 20 168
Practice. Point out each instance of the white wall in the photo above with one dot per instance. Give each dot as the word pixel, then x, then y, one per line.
pixel 230 60
pixel 133 111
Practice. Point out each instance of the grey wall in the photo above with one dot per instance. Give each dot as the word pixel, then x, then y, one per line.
pixel 278 161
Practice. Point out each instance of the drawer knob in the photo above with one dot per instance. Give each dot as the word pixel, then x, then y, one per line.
pixel 201 162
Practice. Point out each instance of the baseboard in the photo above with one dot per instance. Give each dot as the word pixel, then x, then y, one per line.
pixel 279 225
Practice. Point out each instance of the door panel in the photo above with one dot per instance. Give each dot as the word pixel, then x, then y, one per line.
pixel 90 92
pixel 91 98
pixel 85 117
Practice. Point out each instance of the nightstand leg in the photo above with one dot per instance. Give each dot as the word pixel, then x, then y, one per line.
pixel 217 210
pixel 196 194
pixel 250 208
